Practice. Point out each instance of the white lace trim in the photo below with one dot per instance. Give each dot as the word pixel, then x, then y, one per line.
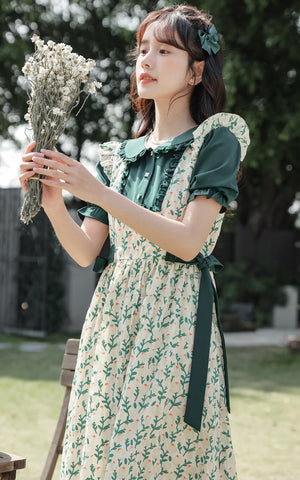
pixel 108 152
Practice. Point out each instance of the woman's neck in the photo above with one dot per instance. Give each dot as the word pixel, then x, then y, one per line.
pixel 171 121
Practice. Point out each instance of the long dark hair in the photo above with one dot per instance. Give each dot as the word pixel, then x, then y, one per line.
pixel 183 22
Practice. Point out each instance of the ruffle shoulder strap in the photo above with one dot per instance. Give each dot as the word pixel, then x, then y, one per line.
pixel 107 153
pixel 233 122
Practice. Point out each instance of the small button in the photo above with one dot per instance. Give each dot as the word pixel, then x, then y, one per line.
pixel 139 196
pixel 151 152
pixel 147 174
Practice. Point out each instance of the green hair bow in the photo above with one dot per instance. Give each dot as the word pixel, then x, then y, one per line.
pixel 210 40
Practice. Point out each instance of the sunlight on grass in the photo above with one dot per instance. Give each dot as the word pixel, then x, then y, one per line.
pixel 30 401
pixel 265 392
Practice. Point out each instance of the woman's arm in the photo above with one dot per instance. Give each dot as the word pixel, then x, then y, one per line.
pixel 82 243
pixel 183 239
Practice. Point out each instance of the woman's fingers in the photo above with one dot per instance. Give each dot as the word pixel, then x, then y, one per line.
pixel 24 166
pixel 24 179
pixel 28 156
pixel 30 147
pixel 62 172
pixel 53 164
pixel 58 164
pixel 53 183
pixel 60 157
pixel 49 172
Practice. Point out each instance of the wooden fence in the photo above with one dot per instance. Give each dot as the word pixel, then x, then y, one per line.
pixel 9 250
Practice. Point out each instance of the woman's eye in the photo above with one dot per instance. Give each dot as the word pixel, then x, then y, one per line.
pixel 163 51
pixel 142 51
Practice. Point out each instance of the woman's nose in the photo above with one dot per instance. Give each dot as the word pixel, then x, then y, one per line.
pixel 146 60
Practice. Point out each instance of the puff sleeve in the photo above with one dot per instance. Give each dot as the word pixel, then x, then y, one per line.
pixel 103 169
pixel 215 172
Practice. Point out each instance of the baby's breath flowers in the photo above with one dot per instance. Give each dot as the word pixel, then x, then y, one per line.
pixel 57 76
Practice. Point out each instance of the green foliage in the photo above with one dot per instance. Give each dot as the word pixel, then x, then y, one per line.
pixel 255 283
pixel 95 29
pixel 261 72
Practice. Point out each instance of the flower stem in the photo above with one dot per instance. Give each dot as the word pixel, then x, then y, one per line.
pixel 32 201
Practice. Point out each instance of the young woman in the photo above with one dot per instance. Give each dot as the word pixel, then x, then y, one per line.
pixel 150 394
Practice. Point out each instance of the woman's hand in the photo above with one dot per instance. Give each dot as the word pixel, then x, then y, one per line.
pixel 65 173
pixel 27 165
pixel 51 196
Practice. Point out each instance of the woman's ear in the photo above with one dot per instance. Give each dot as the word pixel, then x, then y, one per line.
pixel 198 68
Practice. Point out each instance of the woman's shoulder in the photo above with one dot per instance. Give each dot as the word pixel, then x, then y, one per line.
pixel 224 126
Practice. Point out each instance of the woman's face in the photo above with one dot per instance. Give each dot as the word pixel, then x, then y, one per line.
pixel 162 71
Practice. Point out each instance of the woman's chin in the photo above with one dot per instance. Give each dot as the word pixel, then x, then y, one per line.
pixel 143 93
pixel 145 96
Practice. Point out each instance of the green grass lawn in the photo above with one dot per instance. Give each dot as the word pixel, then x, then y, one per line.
pixel 265 398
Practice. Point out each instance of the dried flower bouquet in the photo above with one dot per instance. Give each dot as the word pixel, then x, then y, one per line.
pixel 56 76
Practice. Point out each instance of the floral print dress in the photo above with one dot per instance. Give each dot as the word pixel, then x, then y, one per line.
pixel 126 417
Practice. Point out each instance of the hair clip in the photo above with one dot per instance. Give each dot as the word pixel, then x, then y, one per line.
pixel 209 40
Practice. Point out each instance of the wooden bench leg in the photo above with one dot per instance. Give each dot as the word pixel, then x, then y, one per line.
pixel 56 445
pixel 8 475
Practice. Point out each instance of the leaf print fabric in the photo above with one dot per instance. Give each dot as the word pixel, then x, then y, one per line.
pixel 128 400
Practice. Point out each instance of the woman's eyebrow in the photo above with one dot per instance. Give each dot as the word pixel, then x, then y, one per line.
pixel 146 42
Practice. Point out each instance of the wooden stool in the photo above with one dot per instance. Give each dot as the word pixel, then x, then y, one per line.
pixel 9 464
pixel 66 379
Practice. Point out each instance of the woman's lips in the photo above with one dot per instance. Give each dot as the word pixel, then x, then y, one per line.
pixel 145 78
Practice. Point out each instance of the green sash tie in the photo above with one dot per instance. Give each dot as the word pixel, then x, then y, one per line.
pixel 200 355
pixel 101 262
pixel 198 377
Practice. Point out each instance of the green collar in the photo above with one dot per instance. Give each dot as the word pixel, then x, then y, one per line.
pixel 131 149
